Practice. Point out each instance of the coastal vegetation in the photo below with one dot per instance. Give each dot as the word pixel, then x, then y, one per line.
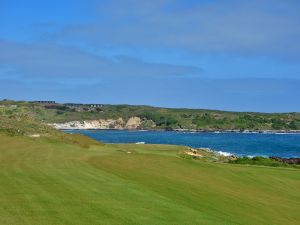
pixel 157 118
pixel 263 161
pixel 20 124
pixel 207 155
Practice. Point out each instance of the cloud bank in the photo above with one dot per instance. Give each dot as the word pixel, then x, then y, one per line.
pixel 48 61
pixel 258 27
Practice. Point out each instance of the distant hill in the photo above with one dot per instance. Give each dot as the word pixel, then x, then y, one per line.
pixel 154 117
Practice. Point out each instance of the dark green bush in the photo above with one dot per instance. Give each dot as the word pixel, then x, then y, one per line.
pixel 259 160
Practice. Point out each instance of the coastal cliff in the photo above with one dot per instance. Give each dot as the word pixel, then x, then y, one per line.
pixel 131 124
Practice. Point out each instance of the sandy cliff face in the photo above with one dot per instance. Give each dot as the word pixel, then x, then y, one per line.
pixel 132 123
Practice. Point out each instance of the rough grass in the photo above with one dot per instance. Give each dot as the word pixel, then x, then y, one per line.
pixel 20 124
pixel 48 182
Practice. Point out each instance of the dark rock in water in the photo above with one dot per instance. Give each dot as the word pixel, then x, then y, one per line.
pixel 284 160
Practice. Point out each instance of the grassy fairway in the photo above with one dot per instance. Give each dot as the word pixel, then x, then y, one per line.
pixel 49 182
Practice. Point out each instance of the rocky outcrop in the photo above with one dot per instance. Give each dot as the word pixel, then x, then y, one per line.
pixel 132 123
pixel 285 160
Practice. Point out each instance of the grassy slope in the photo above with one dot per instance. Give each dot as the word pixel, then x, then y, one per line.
pixel 49 182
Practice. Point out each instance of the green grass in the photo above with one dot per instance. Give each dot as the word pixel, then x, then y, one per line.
pixel 48 182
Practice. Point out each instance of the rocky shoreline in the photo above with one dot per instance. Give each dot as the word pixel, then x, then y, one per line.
pixel 286 160
pixel 201 153
pixel 241 131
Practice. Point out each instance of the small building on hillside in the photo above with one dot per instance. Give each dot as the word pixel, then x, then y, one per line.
pixel 43 102
pixel 83 105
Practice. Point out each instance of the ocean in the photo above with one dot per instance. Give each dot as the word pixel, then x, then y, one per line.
pixel 240 144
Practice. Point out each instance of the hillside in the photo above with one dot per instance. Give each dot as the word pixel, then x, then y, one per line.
pixel 19 124
pixel 117 116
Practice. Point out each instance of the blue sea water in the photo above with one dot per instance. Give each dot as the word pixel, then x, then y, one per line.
pixel 241 144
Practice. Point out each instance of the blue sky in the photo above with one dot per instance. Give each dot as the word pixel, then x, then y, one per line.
pixel 230 55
